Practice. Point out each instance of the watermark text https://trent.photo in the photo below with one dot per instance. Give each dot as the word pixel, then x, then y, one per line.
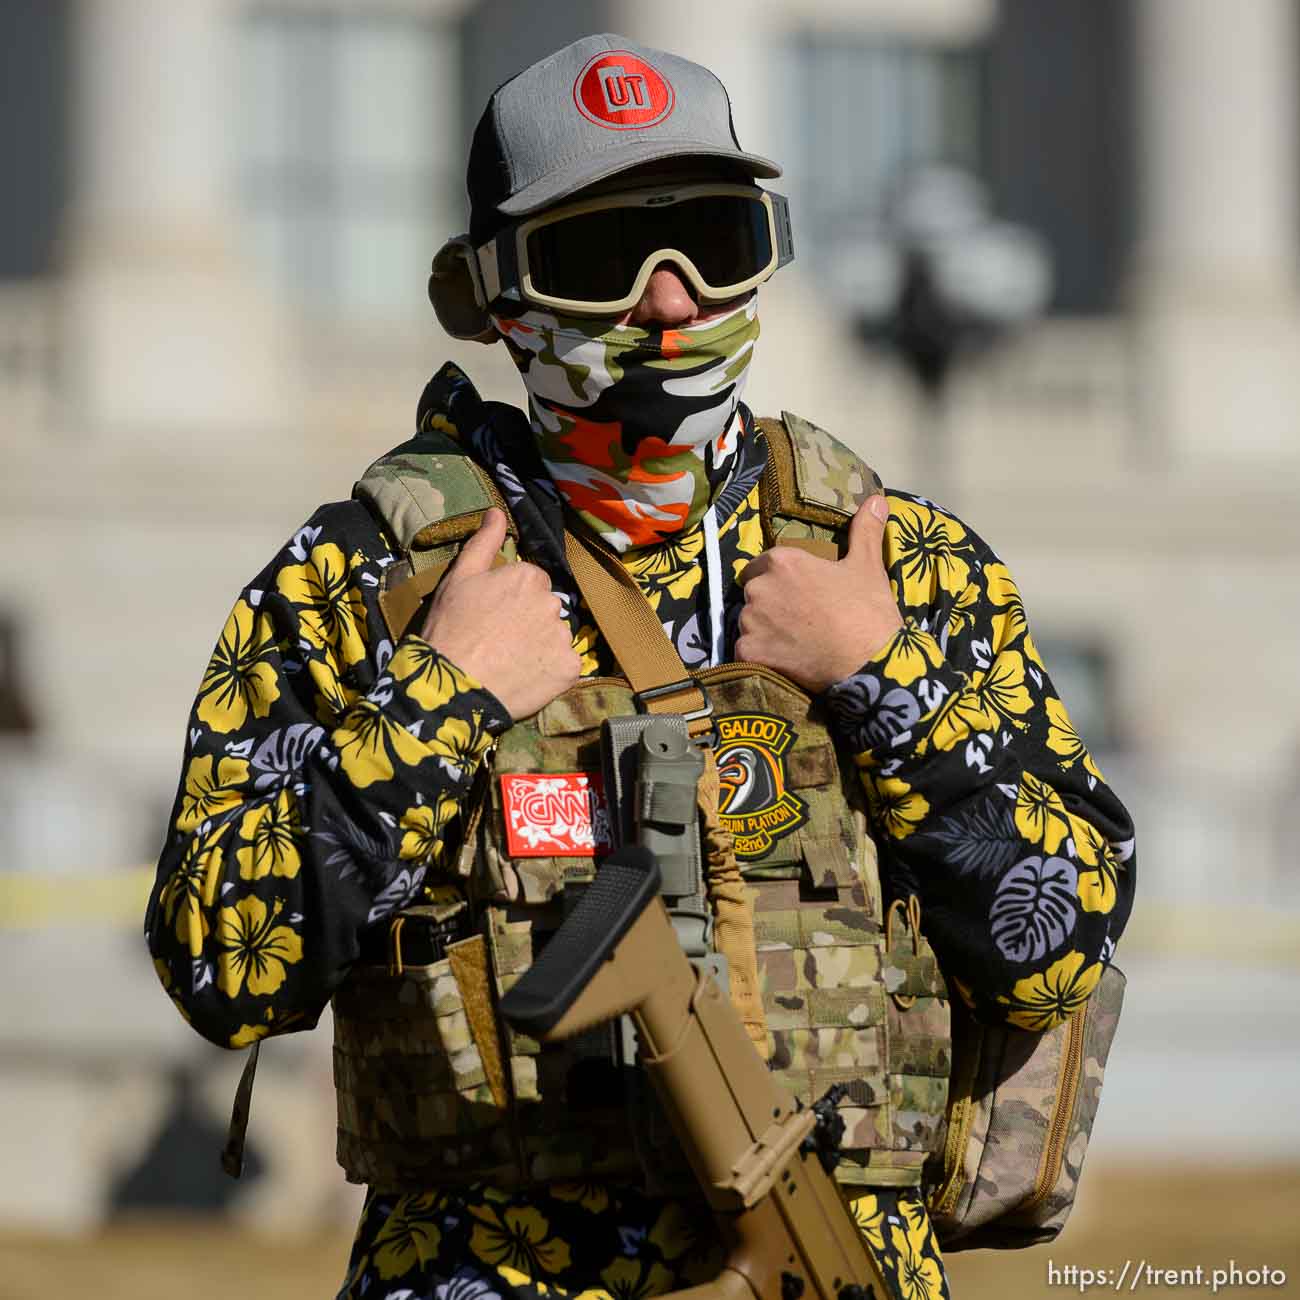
pixel 1132 1276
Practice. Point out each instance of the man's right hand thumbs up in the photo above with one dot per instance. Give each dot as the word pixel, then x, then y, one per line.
pixel 819 620
pixel 503 625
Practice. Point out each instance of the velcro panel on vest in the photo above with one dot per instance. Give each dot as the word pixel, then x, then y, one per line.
pixel 404 592
pixel 469 968
pixel 815 546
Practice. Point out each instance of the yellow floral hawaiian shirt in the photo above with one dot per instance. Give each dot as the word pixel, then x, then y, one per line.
pixel 325 769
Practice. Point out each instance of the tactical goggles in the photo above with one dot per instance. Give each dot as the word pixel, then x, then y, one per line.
pixel 595 257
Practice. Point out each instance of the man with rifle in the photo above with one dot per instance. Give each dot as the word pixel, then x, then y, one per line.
pixel 633 620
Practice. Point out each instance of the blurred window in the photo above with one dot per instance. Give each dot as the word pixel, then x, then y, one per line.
pixel 873 111
pixel 33 132
pixel 1040 111
pixel 350 153
pixel 1059 131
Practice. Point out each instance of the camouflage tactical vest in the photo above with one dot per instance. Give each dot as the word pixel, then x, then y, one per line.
pixel 851 989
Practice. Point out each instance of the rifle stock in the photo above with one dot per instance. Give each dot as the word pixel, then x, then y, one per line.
pixel 788 1230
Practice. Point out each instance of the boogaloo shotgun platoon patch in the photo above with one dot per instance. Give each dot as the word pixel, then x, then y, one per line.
pixel 754 804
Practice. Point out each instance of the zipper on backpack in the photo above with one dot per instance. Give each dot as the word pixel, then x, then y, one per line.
pixel 960 1117
pixel 1067 1093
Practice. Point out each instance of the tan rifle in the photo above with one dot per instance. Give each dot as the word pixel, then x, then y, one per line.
pixel 760 1157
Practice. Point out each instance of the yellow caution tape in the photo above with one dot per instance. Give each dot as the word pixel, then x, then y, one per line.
pixel 1258 935
pixel 1251 934
pixel 37 901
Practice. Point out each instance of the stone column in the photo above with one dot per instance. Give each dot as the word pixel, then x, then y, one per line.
pixel 165 327
pixel 1218 149
pixel 1219 229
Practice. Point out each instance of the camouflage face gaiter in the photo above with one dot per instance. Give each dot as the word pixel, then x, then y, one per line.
pixel 637 427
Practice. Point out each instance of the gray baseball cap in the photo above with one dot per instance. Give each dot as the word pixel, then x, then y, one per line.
pixel 587 112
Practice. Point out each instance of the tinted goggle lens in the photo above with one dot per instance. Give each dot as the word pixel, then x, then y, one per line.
pixel 596 256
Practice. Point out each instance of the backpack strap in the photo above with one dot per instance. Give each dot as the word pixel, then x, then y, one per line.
pixel 812 486
pixel 429 496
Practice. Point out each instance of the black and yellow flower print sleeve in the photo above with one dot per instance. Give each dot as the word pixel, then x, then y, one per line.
pixel 322 783
pixel 986 802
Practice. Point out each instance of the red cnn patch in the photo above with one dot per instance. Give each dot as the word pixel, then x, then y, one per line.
pixel 559 814
pixel 622 92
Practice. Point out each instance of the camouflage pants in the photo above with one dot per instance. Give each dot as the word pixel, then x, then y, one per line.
pixel 589 1242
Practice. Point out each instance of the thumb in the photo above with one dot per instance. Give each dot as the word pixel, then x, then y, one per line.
pixel 866 529
pixel 479 553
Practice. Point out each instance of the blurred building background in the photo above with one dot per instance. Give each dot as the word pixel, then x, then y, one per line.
pixel 216 225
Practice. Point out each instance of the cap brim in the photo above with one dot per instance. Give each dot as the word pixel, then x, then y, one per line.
pixel 581 172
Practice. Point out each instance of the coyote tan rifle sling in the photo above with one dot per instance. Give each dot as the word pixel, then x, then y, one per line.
pixel 659 679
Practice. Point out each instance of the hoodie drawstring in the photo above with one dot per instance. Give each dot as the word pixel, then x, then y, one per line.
pixel 713 568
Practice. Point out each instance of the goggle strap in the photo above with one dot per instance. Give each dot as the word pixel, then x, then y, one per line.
pixel 490 278
pixel 784 232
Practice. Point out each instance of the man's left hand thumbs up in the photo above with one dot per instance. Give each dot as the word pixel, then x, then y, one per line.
pixel 817 620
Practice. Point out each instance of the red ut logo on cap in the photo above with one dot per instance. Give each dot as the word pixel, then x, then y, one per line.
pixel 622 92
pixel 621 89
